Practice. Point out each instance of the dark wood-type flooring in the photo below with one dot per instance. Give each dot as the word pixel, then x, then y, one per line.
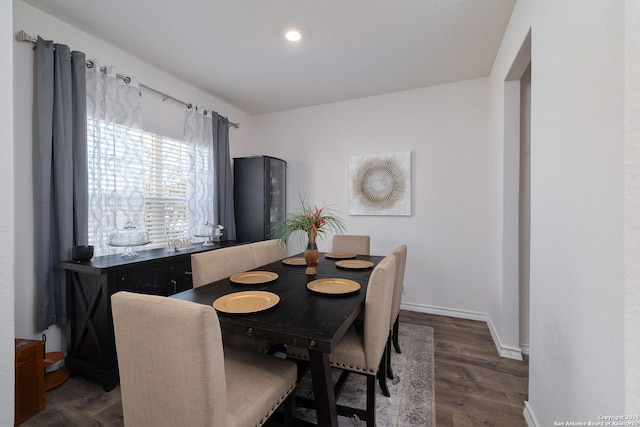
pixel 474 385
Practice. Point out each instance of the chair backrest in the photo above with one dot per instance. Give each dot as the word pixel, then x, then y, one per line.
pixel 218 264
pixel 351 243
pixel 267 252
pixel 170 360
pixel 377 309
pixel 401 261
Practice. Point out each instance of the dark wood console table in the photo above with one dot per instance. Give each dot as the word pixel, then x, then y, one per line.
pixel 91 349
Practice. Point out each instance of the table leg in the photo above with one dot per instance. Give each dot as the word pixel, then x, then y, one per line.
pixel 323 389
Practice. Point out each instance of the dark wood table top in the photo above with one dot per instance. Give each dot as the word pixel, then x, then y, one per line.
pixel 302 317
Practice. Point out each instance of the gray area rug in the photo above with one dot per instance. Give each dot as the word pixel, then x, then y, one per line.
pixel 82 403
pixel 412 401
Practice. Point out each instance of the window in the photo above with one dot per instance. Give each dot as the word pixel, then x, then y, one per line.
pixel 165 183
pixel 135 176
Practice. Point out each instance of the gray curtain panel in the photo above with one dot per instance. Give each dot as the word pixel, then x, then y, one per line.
pixel 59 172
pixel 223 177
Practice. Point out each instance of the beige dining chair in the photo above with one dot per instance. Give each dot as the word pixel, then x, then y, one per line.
pixel 267 251
pixel 362 348
pixel 400 254
pixel 211 266
pixel 359 245
pixel 175 372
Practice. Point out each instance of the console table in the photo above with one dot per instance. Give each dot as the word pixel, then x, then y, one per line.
pixel 91 349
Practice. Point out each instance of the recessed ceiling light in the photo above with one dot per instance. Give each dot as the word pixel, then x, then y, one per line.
pixel 293 35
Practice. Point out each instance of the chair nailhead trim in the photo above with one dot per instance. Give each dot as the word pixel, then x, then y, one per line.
pixel 357 368
pixel 277 405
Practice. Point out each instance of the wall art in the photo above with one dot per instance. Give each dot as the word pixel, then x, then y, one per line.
pixel 380 184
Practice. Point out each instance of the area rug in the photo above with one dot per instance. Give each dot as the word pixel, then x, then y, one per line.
pixel 412 401
pixel 81 402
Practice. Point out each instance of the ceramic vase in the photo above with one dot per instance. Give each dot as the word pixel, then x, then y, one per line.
pixel 311 257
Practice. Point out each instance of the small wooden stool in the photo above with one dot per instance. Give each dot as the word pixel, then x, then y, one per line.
pixel 54 378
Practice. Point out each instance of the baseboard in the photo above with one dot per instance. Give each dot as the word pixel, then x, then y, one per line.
pixel 443 311
pixel 524 348
pixel 529 417
pixel 503 351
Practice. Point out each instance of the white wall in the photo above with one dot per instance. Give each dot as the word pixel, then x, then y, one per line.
pixel 577 368
pixel 7 225
pixel 632 199
pixel 445 129
pixel 161 117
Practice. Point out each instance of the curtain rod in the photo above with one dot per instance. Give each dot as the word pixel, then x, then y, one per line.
pixel 21 36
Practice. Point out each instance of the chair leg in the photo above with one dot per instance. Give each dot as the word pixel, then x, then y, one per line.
pixel 337 388
pixel 288 409
pixel 382 378
pixel 396 344
pixel 371 401
pixel 387 350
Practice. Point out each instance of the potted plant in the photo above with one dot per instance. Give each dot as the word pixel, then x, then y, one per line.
pixel 314 222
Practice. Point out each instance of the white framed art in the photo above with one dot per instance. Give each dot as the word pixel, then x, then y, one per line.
pixel 380 184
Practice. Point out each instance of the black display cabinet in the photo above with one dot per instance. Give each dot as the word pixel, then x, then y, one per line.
pixel 259 187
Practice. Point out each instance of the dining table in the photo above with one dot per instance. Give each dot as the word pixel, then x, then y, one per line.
pixel 303 315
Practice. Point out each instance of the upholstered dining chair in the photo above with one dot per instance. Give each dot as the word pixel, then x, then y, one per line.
pixel 211 266
pixel 175 372
pixel 217 264
pixel 351 243
pixel 400 254
pixel 362 348
pixel 267 251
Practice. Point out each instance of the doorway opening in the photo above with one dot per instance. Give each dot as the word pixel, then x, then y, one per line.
pixel 516 198
pixel 524 208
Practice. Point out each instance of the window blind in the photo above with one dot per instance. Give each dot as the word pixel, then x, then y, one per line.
pixel 158 172
pixel 165 165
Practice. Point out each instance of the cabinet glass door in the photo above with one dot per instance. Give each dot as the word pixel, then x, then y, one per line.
pixel 276 195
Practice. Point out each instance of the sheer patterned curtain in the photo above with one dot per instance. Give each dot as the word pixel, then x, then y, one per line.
pixel 198 133
pixel 115 144
pixel 59 172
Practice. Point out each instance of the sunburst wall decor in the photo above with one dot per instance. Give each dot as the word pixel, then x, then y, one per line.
pixel 380 184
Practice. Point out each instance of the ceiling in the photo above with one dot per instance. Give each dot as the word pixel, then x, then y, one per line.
pixel 235 49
